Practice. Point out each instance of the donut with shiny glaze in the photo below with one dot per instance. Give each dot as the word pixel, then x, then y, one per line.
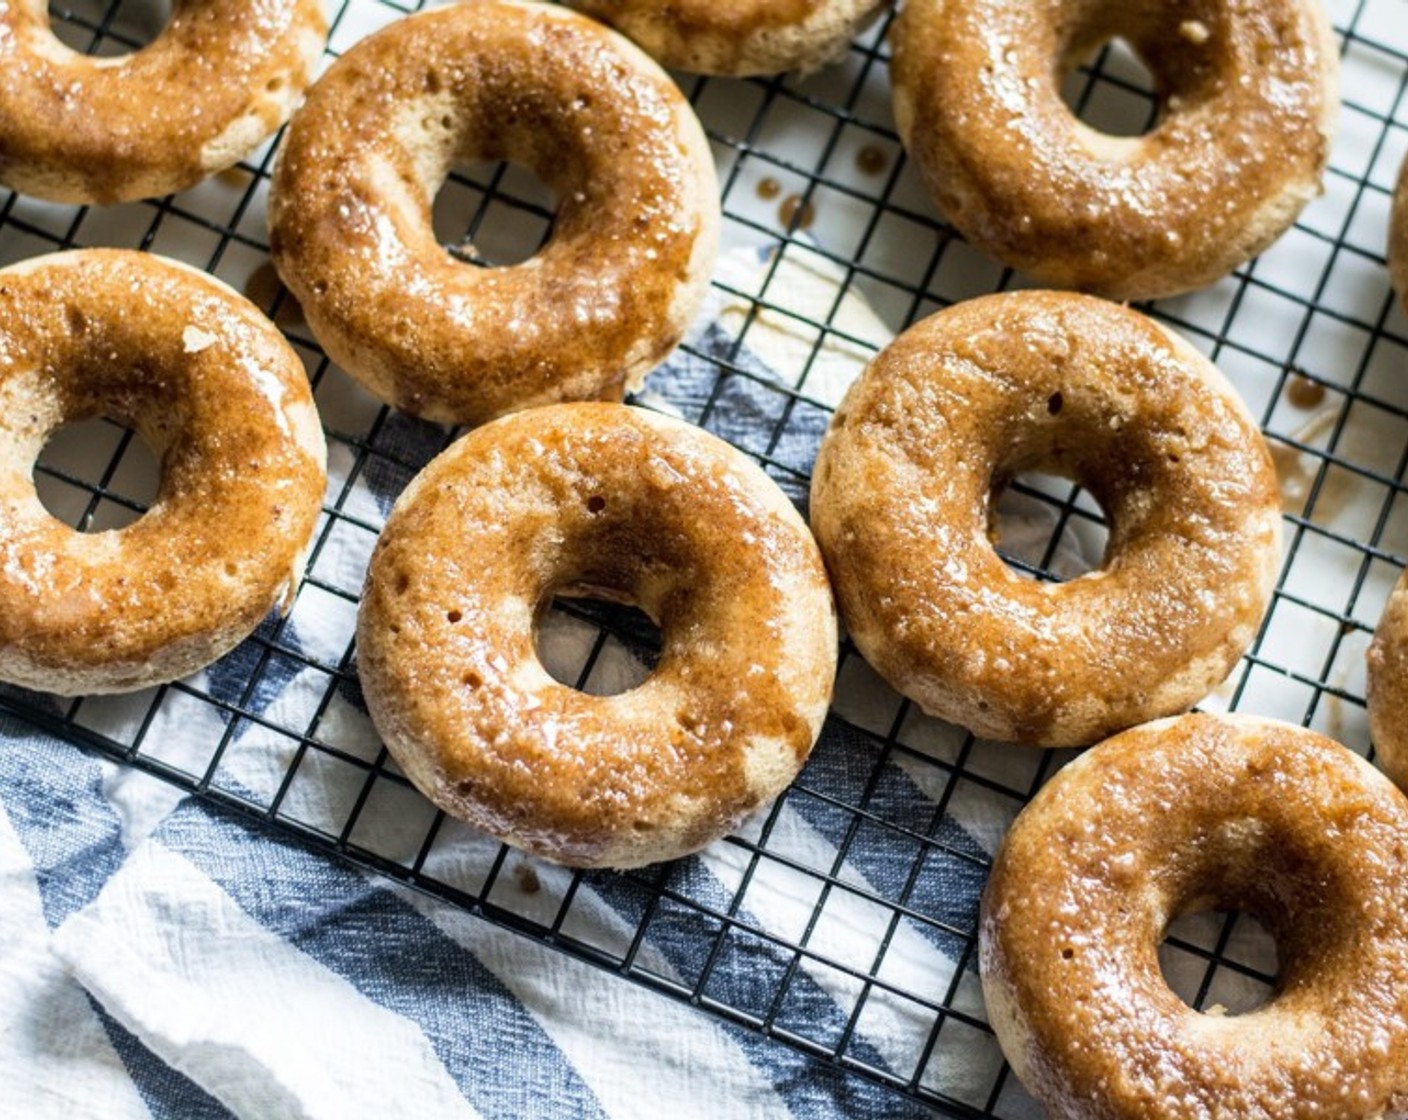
pixel 1387 686
pixel 224 403
pixel 737 37
pixel 604 300
pixel 1398 236
pixel 1178 817
pixel 953 410
pixel 1247 100
pixel 215 83
pixel 603 501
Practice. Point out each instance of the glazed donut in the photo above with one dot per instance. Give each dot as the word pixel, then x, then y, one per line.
pixel 1177 817
pixel 611 502
pixel 1248 94
pixel 1387 686
pixel 221 77
pixel 224 403
pixel 969 398
pixel 738 37
pixel 606 298
pixel 1398 236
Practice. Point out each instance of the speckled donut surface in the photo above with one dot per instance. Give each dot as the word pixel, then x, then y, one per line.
pixel 1070 385
pixel 224 403
pixel 218 80
pixel 1248 96
pixel 1388 686
pixel 604 500
pixel 1178 817
pixel 1398 236
pixel 737 37
pixel 601 303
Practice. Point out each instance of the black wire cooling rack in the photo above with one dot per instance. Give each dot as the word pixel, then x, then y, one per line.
pixel 835 249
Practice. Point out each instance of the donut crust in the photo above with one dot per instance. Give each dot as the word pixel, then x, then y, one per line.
pixel 1248 94
pixel 1398 236
pixel 217 81
pixel 1177 817
pixel 614 502
pixel 959 405
pixel 737 38
pixel 224 403
pixel 1387 685
pixel 606 298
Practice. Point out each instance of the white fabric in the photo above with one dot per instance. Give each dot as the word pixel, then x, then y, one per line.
pixel 47 1024
pixel 664 1060
pixel 251 1019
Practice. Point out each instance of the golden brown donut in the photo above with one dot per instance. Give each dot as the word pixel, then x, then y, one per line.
pixel 737 37
pixel 1248 96
pixel 221 77
pixel 224 403
pixel 946 416
pixel 1398 236
pixel 633 242
pixel 609 502
pixel 1177 817
pixel 1388 686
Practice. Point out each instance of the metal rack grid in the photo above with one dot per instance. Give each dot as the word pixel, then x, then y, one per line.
pixel 909 808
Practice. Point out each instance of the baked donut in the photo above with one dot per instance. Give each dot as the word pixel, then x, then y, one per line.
pixel 610 502
pixel 1387 686
pixel 1248 96
pixel 222 400
pixel 737 37
pixel 606 298
pixel 956 407
pixel 221 77
pixel 1177 817
pixel 1398 236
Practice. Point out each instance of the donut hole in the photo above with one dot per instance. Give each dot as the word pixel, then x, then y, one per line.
pixel 494 215
pixel 598 645
pixel 1044 528
pixel 1220 962
pixel 96 475
pixel 1112 90
pixel 107 30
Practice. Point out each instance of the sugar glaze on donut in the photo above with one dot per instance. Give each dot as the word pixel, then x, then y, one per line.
pixel 218 80
pixel 737 37
pixel 1398 236
pixel 606 501
pixel 1387 685
pixel 604 300
pixel 1247 105
pixel 962 403
pixel 222 400
pixel 1181 816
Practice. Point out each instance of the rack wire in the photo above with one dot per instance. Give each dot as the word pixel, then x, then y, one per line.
pixel 813 179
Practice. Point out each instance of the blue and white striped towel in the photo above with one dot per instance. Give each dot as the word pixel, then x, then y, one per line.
pixel 160 956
